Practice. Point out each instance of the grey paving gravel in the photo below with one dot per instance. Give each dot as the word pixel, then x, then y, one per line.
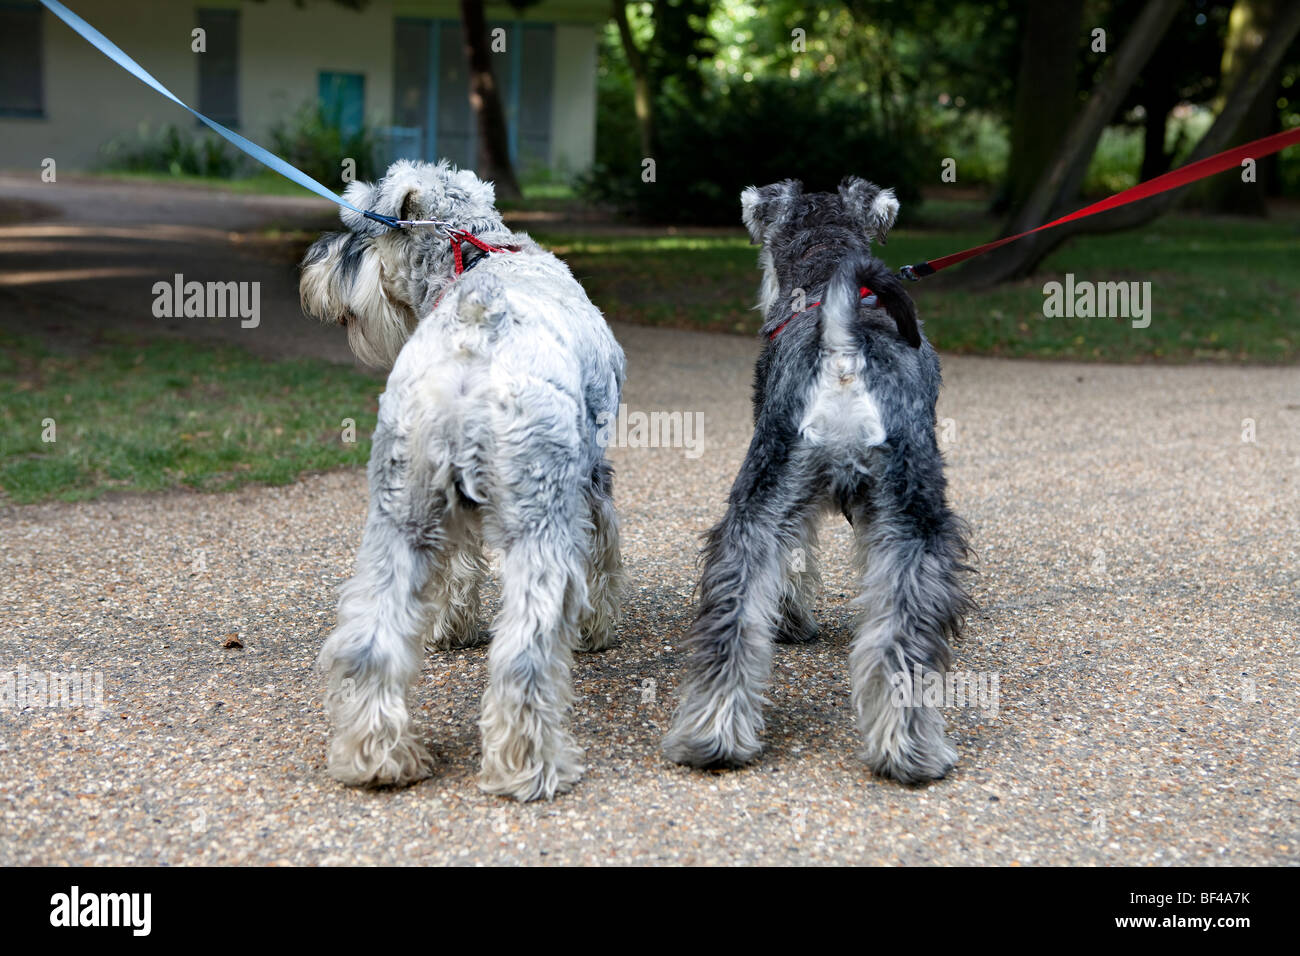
pixel 1138 589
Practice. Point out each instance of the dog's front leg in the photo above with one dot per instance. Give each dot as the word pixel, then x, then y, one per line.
pixel 803 579
pixel 604 564
pixel 451 599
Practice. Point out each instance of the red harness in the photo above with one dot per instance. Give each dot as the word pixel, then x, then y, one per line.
pixel 863 292
pixel 458 236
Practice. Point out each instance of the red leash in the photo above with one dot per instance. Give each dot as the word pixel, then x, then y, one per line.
pixel 1163 183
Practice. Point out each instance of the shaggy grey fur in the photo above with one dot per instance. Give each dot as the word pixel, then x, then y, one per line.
pixel 844 421
pixel 487 436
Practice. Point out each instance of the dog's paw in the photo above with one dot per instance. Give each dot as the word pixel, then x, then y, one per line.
pixel 536 780
pixel 444 639
pixel 715 751
pixel 800 629
pixel 595 636
pixel 917 764
pixel 373 762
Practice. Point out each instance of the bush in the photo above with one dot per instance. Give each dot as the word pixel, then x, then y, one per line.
pixel 743 135
pixel 316 144
pixel 977 140
pixel 168 150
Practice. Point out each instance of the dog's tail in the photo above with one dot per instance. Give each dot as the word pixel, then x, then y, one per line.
pixel 844 296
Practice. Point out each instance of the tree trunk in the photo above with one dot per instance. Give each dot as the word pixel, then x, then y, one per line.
pixel 493 138
pixel 1046 91
pixel 1247 25
pixel 642 95
pixel 1058 186
pixel 1155 159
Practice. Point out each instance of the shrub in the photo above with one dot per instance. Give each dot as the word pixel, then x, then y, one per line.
pixel 316 144
pixel 168 150
pixel 743 135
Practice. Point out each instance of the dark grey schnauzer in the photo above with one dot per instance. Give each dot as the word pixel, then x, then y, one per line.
pixel 844 397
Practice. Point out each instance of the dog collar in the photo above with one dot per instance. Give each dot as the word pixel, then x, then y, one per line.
pixel 459 237
pixel 863 293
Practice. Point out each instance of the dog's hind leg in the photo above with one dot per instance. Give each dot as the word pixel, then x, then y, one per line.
pixel 604 564
pixel 373 655
pixel 912 552
pixel 534 519
pixel 719 719
pixel 528 751
pixel 451 598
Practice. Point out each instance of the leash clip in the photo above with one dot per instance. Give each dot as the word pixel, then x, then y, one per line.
pixel 392 223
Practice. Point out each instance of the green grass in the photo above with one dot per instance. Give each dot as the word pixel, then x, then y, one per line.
pixel 154 415
pixel 1221 289
pixel 263 182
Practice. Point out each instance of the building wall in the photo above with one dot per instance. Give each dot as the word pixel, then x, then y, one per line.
pixel 89 100
pixel 573 103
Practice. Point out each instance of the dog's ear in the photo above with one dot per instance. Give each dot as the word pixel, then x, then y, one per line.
pixel 872 208
pixel 763 207
pixel 396 196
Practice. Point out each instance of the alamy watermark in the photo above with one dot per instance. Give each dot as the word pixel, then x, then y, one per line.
pixel 21 688
pixel 1102 300
pixel 924 688
pixel 179 299
pixel 652 430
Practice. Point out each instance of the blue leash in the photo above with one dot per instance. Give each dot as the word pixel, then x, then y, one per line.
pixel 263 156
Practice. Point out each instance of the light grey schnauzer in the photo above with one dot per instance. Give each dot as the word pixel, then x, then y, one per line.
pixel 487 435
pixel 844 397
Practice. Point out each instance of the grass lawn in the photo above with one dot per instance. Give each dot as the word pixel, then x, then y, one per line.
pixel 156 414
pixel 1221 289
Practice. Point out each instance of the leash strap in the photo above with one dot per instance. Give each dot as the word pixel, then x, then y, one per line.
pixel 863 293
pixel 263 156
pixel 1182 176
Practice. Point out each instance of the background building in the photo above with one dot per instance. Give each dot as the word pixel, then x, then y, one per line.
pixel 396 65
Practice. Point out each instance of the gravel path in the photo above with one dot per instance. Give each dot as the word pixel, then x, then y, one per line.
pixel 1138 588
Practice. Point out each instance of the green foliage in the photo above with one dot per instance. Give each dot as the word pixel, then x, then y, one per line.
pixel 316 144
pixel 975 139
pixel 169 150
pixel 745 134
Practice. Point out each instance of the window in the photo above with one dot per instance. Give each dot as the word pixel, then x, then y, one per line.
pixel 219 66
pixel 21 80
pixel 431 91
pixel 343 100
